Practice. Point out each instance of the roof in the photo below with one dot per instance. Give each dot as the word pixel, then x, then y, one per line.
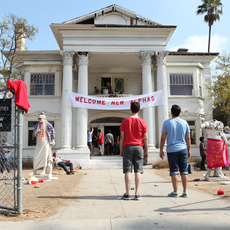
pixel 109 9
pixel 176 53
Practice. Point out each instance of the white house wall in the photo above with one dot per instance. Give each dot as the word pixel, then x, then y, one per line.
pixel 113 50
pixel 130 66
pixel 199 65
pixel 51 105
pixel 117 19
pixel 100 39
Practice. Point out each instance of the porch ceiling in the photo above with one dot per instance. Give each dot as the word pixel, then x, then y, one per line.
pixel 113 61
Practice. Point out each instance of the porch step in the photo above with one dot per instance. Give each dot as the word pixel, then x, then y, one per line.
pixel 106 162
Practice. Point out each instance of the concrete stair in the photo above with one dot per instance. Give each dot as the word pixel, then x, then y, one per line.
pixel 106 162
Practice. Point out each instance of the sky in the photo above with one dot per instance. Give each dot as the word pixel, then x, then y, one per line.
pixel 191 31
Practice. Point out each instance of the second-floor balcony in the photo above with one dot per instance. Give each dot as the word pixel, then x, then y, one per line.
pixel 112 95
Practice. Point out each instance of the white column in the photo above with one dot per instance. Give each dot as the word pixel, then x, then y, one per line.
pixel 82 114
pixel 66 115
pixel 162 85
pixel 208 110
pixel 149 112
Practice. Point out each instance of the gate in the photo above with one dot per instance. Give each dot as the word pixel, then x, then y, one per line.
pixel 10 154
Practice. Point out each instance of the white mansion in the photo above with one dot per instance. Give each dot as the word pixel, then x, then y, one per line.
pixel 127 50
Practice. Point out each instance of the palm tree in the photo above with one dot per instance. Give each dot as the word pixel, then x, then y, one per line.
pixel 212 13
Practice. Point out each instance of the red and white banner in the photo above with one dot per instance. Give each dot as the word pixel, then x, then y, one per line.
pixel 114 103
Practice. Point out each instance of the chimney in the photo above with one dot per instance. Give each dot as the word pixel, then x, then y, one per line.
pixel 21 43
pixel 182 50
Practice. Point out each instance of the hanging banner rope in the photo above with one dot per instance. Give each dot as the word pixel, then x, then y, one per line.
pixel 114 103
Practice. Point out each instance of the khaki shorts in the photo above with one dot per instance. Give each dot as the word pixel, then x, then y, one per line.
pixel 133 156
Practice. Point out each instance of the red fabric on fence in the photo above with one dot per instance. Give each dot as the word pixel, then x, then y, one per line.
pixel 20 90
pixel 216 153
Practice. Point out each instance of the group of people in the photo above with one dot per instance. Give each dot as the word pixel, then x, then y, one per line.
pixel 107 87
pixel 111 143
pixel 133 147
pixel 134 135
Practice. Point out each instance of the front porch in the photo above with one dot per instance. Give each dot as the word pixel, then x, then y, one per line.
pixel 106 162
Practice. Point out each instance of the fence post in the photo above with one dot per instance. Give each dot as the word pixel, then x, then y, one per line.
pixel 19 177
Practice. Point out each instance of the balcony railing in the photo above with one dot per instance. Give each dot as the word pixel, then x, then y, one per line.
pixel 112 95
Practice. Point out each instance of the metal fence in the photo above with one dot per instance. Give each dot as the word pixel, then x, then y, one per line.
pixel 10 155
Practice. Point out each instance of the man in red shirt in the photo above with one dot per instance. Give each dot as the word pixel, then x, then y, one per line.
pixel 133 133
pixel 100 141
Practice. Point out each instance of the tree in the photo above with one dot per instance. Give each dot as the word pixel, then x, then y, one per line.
pixel 212 13
pixel 220 90
pixel 13 32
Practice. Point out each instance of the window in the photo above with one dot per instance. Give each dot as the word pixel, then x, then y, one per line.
pixel 200 91
pixel 117 84
pixel 200 83
pixel 31 125
pixel 192 131
pixel 42 84
pixel 181 84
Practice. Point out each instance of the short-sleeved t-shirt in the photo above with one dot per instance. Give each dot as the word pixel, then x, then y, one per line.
pixel 202 151
pixel 100 141
pixel 134 128
pixel 59 159
pixel 176 129
pixel 89 137
pixel 109 138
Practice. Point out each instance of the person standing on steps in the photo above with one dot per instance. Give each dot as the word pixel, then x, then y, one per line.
pixel 109 141
pixel 89 140
pixel 100 141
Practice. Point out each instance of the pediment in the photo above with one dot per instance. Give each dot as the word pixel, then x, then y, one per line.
pixel 114 15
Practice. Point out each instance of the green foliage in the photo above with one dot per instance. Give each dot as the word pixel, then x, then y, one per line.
pixel 219 115
pixel 13 32
pixel 212 10
pixel 220 89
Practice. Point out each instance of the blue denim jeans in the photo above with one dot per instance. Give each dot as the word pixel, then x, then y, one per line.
pixel 178 161
pixel 2 161
pixel 116 148
pixel 63 164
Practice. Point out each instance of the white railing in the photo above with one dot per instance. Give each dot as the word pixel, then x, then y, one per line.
pixel 112 95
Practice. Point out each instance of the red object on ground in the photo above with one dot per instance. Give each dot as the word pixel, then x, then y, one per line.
pixel 40 181
pixel 20 90
pixel 69 161
pixel 36 186
pixel 220 192
pixel 33 182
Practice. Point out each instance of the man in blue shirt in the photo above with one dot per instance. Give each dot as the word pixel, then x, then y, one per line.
pixel 89 139
pixel 178 149
pixel 4 157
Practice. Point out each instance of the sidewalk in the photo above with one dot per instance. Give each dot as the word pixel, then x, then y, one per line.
pixel 97 205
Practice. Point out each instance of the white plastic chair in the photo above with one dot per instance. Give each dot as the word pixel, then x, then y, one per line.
pixel 55 164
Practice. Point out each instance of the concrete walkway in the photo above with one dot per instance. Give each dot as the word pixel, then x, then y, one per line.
pixel 97 205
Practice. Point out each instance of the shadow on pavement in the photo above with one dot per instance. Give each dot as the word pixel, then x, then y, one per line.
pixel 94 197
pixel 175 208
